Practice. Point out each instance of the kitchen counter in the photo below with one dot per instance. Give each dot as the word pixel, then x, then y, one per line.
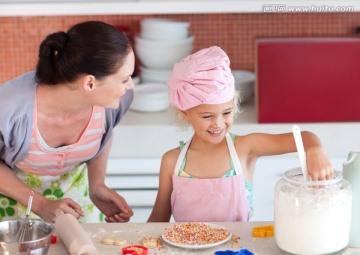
pixel 152 134
pixel 133 232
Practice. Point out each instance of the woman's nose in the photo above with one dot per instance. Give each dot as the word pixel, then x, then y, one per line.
pixel 130 85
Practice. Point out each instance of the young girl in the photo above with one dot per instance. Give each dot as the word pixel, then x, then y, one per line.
pixel 210 177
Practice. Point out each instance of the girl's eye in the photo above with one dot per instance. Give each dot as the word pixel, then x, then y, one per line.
pixel 206 116
pixel 126 81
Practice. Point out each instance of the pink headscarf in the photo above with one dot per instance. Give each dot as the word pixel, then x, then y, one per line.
pixel 202 78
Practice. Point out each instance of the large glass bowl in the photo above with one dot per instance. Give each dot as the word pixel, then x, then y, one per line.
pixel 40 237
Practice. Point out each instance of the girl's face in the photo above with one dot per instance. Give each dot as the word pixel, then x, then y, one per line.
pixel 112 88
pixel 211 121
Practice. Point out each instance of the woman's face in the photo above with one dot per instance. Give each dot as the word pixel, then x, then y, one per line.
pixel 111 89
pixel 211 122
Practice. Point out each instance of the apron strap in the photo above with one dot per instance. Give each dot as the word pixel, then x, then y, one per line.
pixel 233 154
pixel 231 148
pixel 181 157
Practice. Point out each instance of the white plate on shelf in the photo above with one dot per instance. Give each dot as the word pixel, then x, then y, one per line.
pixel 199 246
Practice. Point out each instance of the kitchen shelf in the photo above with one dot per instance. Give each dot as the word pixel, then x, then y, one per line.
pixel 120 7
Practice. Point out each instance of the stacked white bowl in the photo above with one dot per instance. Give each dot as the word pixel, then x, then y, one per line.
pixel 244 83
pixel 154 75
pixel 150 97
pixel 160 44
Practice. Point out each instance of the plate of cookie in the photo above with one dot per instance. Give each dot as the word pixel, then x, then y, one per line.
pixel 195 235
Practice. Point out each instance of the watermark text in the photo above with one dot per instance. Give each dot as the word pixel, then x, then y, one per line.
pixel 305 8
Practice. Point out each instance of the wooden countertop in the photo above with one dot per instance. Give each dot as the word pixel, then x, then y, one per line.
pixel 134 232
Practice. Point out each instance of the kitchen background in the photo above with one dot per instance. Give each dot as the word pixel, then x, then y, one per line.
pixel 133 167
pixel 235 33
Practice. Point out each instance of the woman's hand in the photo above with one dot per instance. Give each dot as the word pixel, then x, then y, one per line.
pixel 318 164
pixel 48 210
pixel 111 204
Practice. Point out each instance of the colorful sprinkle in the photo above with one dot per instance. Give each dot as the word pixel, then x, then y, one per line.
pixel 195 234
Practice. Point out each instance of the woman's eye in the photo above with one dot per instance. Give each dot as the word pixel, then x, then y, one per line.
pixel 227 113
pixel 206 117
pixel 126 81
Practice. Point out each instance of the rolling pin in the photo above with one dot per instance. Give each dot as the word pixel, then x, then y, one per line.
pixel 73 235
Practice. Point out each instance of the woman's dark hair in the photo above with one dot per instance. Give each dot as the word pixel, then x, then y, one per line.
pixel 91 47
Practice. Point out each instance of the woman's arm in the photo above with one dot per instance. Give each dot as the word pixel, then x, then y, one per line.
pixel 12 186
pixel 109 202
pixel 162 209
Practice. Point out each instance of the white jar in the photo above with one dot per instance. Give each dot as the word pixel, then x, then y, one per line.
pixel 312 217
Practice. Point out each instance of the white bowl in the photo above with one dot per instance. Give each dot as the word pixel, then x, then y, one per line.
pixel 244 83
pixel 150 97
pixel 164 29
pixel 162 54
pixel 155 75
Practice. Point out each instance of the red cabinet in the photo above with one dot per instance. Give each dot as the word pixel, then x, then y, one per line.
pixel 308 79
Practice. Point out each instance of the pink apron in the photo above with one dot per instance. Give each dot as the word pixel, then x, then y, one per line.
pixel 210 200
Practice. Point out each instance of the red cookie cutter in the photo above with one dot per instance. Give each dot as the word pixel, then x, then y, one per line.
pixel 53 239
pixel 135 250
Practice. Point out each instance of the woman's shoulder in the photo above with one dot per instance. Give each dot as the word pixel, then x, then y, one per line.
pixel 17 97
pixel 20 87
pixel 16 112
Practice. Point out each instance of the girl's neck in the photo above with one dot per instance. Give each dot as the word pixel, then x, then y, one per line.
pixel 199 144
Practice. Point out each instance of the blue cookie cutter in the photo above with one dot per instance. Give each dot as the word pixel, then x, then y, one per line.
pixel 228 252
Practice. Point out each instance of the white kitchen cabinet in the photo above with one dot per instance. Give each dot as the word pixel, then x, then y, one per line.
pixel 136 179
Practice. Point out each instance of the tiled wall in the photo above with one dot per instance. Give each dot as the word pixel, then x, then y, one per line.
pixel 235 33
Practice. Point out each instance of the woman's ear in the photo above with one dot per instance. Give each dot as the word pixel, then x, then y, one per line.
pixel 88 83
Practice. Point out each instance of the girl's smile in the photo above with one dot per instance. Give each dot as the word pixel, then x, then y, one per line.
pixel 211 120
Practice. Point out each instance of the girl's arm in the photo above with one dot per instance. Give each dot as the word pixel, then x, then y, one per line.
pixel 253 146
pixel 162 209
pixel 318 164
pixel 109 202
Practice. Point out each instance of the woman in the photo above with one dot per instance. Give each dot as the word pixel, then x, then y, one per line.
pixel 56 126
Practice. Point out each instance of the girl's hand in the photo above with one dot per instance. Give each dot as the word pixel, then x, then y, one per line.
pixel 111 204
pixel 318 165
pixel 49 209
